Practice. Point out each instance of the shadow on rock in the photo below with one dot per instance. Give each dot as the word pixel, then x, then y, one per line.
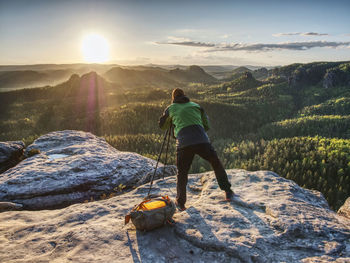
pixel 199 233
pixel 159 245
pixel 133 252
pixel 248 211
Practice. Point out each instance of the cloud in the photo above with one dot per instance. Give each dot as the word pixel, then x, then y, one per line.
pixel 187 43
pixel 314 34
pixel 258 47
pixel 181 41
pixel 300 34
pixel 278 46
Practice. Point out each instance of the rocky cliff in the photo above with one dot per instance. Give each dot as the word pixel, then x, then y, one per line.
pixel 71 167
pixel 271 219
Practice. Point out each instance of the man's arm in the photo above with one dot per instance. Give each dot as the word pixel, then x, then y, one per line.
pixel 165 120
pixel 205 119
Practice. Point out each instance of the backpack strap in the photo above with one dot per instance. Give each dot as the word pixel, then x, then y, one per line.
pixel 147 199
pixel 128 216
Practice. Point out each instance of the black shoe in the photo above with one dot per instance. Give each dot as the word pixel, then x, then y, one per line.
pixel 229 195
pixel 180 207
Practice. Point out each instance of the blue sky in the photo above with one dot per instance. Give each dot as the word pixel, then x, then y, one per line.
pixel 177 32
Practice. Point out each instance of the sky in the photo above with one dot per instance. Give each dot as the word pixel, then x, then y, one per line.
pixel 244 32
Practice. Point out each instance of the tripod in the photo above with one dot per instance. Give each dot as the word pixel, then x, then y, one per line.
pixel 167 136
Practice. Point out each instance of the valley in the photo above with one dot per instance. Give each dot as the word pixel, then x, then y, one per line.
pixel 293 120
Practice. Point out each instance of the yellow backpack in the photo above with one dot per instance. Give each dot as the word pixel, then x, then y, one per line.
pixel 155 211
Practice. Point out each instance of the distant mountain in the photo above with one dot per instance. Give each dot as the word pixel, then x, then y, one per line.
pixel 27 78
pixel 246 81
pixel 236 73
pixel 76 86
pixel 217 68
pixel 192 74
pixel 140 78
pixel 82 86
pixel 326 74
pixel 30 78
pixel 259 73
pixel 157 77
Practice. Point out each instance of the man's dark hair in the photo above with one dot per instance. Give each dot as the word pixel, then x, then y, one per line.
pixel 177 93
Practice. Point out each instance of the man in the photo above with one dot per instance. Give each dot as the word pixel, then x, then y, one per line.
pixel 190 125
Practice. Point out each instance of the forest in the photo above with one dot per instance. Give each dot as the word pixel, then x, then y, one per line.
pixel 293 120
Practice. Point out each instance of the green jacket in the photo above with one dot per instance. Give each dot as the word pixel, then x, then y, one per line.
pixel 183 113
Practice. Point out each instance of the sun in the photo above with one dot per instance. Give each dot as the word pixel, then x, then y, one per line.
pixel 95 48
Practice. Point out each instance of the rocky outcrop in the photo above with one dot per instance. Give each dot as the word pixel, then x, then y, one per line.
pixel 271 219
pixel 71 167
pixel 297 77
pixel 344 210
pixel 192 74
pixel 329 80
pixel 8 206
pixel 261 73
pixel 335 77
pixel 10 154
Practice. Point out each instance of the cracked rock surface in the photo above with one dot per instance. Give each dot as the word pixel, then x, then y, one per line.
pixel 271 219
pixel 71 167
pixel 10 154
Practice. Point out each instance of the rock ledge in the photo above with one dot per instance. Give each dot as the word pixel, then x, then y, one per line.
pixel 71 167
pixel 271 219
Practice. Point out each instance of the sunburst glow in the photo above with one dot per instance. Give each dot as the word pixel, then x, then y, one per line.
pixel 95 48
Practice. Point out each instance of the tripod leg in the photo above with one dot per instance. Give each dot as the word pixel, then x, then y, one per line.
pixel 155 170
pixel 166 152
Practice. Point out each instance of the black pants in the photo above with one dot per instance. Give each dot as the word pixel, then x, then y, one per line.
pixel 184 158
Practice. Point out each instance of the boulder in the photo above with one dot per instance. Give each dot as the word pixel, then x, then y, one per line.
pixel 71 167
pixel 10 154
pixel 8 206
pixel 270 219
pixel 344 210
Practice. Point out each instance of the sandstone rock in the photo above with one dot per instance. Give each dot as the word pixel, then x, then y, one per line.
pixel 335 77
pixel 330 79
pixel 271 219
pixel 344 210
pixel 72 167
pixel 10 154
pixel 297 77
pixel 8 206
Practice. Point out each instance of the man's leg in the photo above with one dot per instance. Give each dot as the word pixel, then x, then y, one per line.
pixel 207 152
pixel 184 157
